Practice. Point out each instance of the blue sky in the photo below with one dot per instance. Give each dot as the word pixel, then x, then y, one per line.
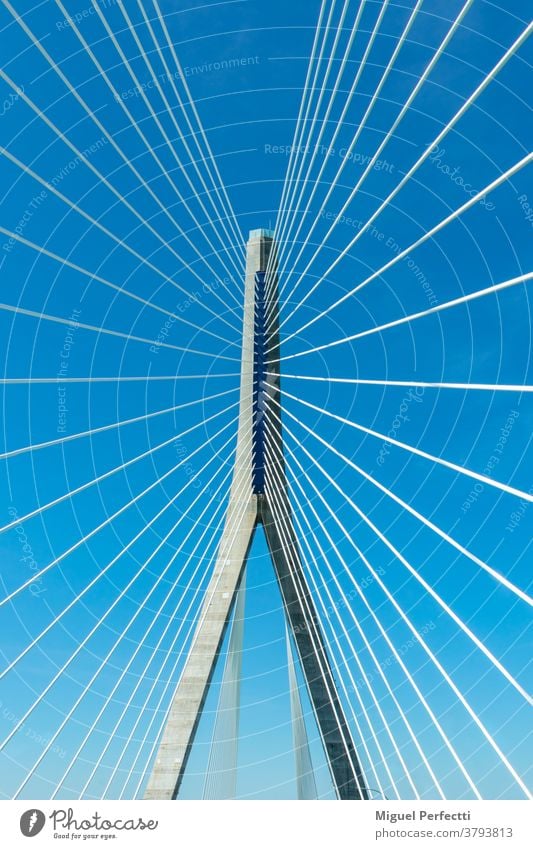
pixel 246 63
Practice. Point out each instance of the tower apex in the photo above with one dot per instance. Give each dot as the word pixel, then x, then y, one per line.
pixel 262 233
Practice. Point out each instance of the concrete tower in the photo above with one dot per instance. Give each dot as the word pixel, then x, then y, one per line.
pixel 259 472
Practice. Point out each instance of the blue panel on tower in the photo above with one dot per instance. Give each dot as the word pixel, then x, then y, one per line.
pixel 259 388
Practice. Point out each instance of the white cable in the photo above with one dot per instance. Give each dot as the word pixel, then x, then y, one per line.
pixel 238 234
pixel 488 387
pixel 305 777
pixel 118 379
pixel 194 624
pixel 480 293
pixel 104 571
pixel 514 169
pixel 38 575
pixel 436 56
pixel 521 594
pixel 140 643
pixel 227 241
pixel 376 704
pixel 171 182
pixel 413 630
pixel 510 490
pixel 108 655
pixel 41 249
pixel 368 646
pixel 102 179
pixel 293 149
pixel 298 578
pixel 292 211
pixel 41 316
pixel 436 597
pixel 487 79
pixel 220 780
pixel 362 124
pixel 36 446
pixel 372 762
pixel 381 629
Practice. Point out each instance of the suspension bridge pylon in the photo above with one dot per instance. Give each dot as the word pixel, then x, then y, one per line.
pixel 258 495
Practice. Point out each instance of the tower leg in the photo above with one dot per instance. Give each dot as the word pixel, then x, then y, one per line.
pixel 188 701
pixel 305 628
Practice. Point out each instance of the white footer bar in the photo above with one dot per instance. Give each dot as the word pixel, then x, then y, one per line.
pixel 268 825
